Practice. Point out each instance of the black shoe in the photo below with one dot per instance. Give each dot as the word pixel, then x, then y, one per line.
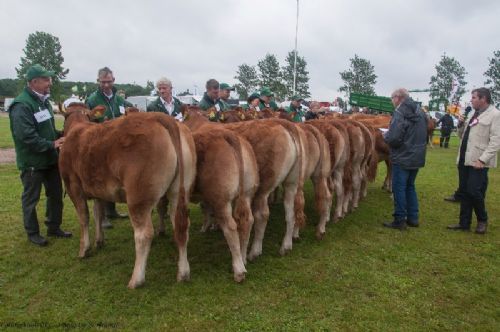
pixel 401 225
pixel 106 223
pixel 116 215
pixel 59 233
pixel 452 199
pixel 38 240
pixel 412 223
pixel 458 227
pixel 481 227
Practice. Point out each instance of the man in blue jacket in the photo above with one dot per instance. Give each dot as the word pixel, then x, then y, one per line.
pixel 407 139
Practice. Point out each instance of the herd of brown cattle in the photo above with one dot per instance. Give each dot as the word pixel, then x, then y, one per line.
pixel 233 169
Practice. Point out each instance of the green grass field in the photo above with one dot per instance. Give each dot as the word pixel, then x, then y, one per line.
pixel 361 276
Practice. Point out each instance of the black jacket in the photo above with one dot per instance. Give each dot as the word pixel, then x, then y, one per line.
pixel 446 123
pixel 407 136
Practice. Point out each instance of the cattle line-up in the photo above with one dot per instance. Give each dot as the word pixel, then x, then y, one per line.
pixel 233 169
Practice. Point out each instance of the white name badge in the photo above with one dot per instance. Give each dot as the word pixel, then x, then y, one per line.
pixel 122 110
pixel 42 116
pixel 303 119
pixel 179 117
pixel 383 130
pixel 217 107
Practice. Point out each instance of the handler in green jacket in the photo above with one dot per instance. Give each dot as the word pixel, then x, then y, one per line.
pixel 211 99
pixel 296 107
pixel 36 142
pixel 224 93
pixel 166 103
pixel 106 95
pixel 265 99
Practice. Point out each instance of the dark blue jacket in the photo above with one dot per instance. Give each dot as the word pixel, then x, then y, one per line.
pixel 407 136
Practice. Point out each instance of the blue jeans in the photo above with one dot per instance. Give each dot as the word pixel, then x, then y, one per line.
pixel 405 196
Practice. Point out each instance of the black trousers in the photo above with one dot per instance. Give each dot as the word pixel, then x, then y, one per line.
pixel 472 193
pixel 445 137
pixel 32 183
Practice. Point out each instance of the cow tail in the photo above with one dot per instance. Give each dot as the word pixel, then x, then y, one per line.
pixel 241 212
pixel 181 213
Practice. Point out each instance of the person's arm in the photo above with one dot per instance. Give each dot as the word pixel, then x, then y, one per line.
pixel 494 144
pixel 396 132
pixel 24 129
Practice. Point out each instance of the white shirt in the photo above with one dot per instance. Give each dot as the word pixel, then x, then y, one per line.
pixel 169 106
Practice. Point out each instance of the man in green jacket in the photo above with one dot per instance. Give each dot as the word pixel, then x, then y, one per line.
pixel 36 142
pixel 296 109
pixel 224 93
pixel 211 99
pixel 266 99
pixel 106 95
pixel 166 103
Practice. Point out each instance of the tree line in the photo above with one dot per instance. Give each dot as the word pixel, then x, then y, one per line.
pixel 448 82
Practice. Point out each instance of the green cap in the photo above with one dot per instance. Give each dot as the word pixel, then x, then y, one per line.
pixel 265 91
pixel 225 86
pixel 253 96
pixel 38 71
pixel 297 97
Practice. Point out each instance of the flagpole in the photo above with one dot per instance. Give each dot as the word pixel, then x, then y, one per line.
pixel 295 52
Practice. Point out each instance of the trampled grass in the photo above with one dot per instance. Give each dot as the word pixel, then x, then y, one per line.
pixel 361 276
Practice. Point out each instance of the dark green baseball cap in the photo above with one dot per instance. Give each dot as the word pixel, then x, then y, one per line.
pixel 265 91
pixel 297 98
pixel 225 86
pixel 252 97
pixel 38 71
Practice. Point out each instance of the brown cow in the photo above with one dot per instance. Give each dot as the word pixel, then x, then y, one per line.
pixel 134 159
pixel 339 155
pixel 319 169
pixel 279 158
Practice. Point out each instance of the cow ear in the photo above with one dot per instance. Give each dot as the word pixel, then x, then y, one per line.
pixel 129 110
pixel 97 112
pixel 221 117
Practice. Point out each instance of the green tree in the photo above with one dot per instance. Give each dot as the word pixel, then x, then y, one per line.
pixel 44 49
pixel 270 75
pixel 302 78
pixel 448 71
pixel 359 78
pixel 248 80
pixel 8 87
pixel 493 77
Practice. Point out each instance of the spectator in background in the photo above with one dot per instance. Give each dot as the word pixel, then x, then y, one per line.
pixel 447 126
pixel 224 93
pixel 479 145
pixel 407 139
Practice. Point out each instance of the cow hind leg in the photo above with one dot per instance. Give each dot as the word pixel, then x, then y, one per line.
pixel 244 228
pixel 230 231
pixel 339 195
pixel 323 198
pixel 99 217
pixel 143 235
pixel 290 189
pixel 261 215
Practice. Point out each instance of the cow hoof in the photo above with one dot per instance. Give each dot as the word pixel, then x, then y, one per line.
pixel 284 251
pixel 252 256
pixel 320 235
pixel 183 277
pixel 135 284
pixel 239 278
pixel 84 253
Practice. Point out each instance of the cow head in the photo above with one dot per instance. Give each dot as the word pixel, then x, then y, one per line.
pixel 78 113
pixel 130 110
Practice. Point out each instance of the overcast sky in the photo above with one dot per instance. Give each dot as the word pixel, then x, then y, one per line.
pixel 192 41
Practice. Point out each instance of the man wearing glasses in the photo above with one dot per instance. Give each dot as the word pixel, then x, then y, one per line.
pixel 106 95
